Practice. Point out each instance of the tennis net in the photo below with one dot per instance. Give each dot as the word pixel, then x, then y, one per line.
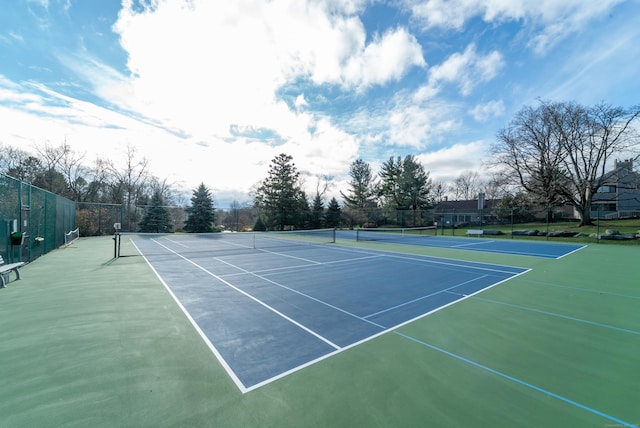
pixel 225 243
pixel 394 234
pixel 71 236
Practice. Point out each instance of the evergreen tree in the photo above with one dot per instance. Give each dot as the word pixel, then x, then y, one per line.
pixel 201 213
pixel 303 219
pixel 405 183
pixel 259 226
pixel 317 213
pixel 332 216
pixel 279 196
pixel 362 191
pixel 156 218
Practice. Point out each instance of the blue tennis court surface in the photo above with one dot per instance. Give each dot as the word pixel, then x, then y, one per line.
pixel 268 312
pixel 485 244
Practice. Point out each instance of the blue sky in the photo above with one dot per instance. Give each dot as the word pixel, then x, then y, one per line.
pixel 211 91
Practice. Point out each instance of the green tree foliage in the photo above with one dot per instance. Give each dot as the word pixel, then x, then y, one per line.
pixel 405 184
pixel 303 219
pixel 156 218
pixel 279 197
pixel 317 213
pixel 259 226
pixel 201 213
pixel 332 216
pixel 362 189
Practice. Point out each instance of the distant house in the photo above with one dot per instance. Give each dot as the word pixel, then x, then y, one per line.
pixel 619 193
pixel 459 213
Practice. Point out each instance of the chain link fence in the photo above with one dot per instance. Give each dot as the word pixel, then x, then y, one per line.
pixel 33 221
pixel 98 219
pixel 531 221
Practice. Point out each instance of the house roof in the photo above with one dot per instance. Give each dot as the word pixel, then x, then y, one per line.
pixel 466 205
pixel 622 170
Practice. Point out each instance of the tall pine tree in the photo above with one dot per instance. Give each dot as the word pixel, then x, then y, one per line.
pixel 362 188
pixel 279 196
pixel 156 218
pixel 332 216
pixel 317 213
pixel 201 213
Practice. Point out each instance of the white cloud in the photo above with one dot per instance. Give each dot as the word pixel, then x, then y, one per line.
pixel 204 66
pixel 549 21
pixel 466 70
pixel 447 164
pixel 483 112
pixel 386 58
pixel 300 101
pixel 419 126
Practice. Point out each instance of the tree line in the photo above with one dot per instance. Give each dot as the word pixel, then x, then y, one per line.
pixel 550 154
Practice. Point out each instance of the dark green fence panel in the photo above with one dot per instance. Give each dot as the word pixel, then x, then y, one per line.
pixel 33 221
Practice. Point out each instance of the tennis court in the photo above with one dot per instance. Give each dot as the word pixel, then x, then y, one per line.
pixel 271 309
pixel 91 340
pixel 427 237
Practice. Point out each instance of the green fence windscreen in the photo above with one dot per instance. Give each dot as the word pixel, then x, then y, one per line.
pixel 33 221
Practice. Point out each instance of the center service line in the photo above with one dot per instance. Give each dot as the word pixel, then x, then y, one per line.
pixel 274 310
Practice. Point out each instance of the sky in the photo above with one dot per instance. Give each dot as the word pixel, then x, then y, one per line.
pixel 211 91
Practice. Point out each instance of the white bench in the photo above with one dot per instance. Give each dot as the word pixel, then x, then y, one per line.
pixel 474 232
pixel 5 271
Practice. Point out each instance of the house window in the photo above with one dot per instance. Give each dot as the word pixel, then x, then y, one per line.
pixel 605 207
pixel 607 189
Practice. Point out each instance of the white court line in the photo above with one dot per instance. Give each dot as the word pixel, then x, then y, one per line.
pixel 472 244
pixel 426 296
pixel 571 252
pixel 322 302
pixel 274 310
pixel 289 256
pixel 370 254
pixel 315 265
pixel 436 260
pixel 195 325
pixel 175 242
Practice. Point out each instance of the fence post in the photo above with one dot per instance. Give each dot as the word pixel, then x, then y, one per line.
pixel 453 223
pixel 598 224
pixel 512 223
pixel 548 220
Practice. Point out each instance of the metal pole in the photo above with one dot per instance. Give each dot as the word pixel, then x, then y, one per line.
pixel 598 225
pixel 548 219
pixel 511 223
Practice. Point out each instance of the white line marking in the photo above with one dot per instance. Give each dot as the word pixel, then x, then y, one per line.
pixel 472 244
pixel 426 296
pixel 274 310
pixel 315 265
pixel 204 337
pixel 176 242
pixel 304 295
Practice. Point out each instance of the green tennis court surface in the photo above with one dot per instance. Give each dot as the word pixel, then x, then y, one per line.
pixel 88 341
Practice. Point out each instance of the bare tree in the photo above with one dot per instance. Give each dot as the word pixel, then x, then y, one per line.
pixel 72 168
pixel 467 185
pixel 439 191
pixel 52 179
pixel 129 183
pixel 498 186
pixel 323 184
pixel 557 151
